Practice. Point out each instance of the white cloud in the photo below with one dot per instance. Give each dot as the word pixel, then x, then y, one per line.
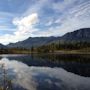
pixel 37 7
pixel 25 24
pixel 26 21
pixel 25 27
pixel 50 22
pixel 68 25
pixel 72 17
pixel 69 16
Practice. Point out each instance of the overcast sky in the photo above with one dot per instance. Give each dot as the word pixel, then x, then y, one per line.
pixel 20 19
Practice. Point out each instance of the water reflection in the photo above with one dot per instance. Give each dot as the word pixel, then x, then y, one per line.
pixel 72 63
pixel 26 77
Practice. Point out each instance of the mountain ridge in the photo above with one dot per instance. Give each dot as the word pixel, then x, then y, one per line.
pixel 82 35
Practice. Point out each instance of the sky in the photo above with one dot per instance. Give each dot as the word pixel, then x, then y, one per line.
pixel 20 19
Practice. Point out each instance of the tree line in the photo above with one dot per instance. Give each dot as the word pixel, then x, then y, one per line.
pixel 61 46
pixel 49 48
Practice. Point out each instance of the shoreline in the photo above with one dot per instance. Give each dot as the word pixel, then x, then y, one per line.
pixel 76 52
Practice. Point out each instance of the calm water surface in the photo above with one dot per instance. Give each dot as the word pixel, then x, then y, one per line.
pixel 48 72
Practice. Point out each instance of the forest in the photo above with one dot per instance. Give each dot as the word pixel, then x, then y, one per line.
pixel 49 48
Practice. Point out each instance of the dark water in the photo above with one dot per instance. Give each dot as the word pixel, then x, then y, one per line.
pixel 48 71
pixel 72 63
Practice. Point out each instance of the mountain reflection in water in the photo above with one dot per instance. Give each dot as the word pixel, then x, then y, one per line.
pixel 26 77
pixel 72 63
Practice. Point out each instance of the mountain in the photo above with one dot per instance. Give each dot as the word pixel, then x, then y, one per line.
pixel 2 46
pixel 33 41
pixel 77 35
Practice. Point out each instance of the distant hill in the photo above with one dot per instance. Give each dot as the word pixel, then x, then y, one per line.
pixel 78 35
pixel 33 41
pixel 2 46
pixel 75 36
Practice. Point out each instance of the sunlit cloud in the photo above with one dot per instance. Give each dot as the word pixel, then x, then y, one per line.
pixel 25 24
pixel 24 29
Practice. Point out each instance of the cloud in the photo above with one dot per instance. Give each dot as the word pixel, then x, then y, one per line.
pixel 71 17
pixel 49 22
pixel 37 7
pixel 25 27
pixel 26 21
pixel 38 78
pixel 25 24
pixel 46 18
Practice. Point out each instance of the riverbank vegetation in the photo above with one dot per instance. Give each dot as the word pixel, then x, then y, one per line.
pixel 73 47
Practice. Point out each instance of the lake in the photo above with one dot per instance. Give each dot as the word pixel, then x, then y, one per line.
pixel 47 71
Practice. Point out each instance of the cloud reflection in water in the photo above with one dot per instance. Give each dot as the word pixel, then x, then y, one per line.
pixel 43 78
